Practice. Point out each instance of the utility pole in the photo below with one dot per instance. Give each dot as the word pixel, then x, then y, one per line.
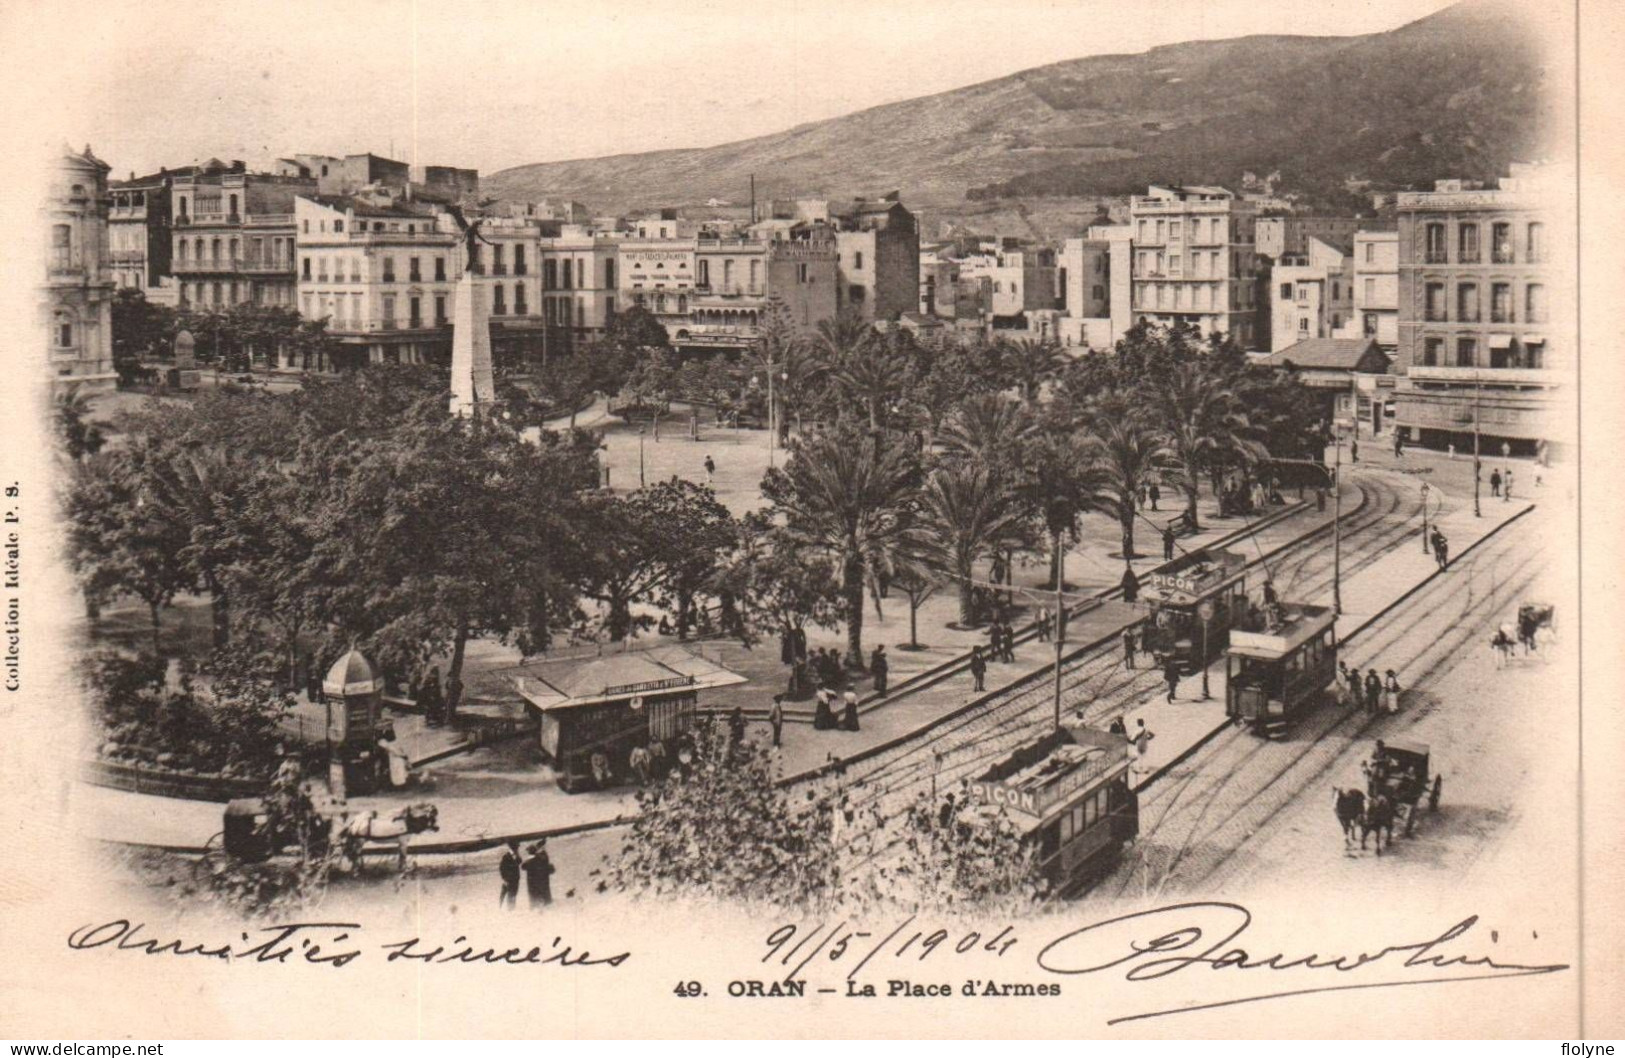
pixel 772 416
pixel 1477 513
pixel 1424 517
pixel 1060 623
pixel 1337 519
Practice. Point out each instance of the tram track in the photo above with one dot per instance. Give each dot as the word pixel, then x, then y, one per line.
pixel 999 727
pixel 1324 742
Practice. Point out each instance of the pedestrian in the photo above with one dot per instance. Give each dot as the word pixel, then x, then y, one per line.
pixel 1009 643
pixel 1170 675
pixel 1506 493
pixel 1167 543
pixel 1145 495
pixel 1156 494
pixel 1354 449
pixel 880 666
pixel 978 669
pixel 429 699
pixel 736 726
pixel 1270 598
pixel 1441 549
pixel 1131 644
pixel 775 718
pixel 1118 727
pixel 1390 692
pixel 1356 695
pixel 1495 483
pixel 508 871
pixel 1451 448
pixel 1131 585
pixel 1373 692
pixel 1399 445
pixel 538 876
pixel 710 470
pixel 1142 744
pixel 1043 625
pixel 849 717
pixel 823 715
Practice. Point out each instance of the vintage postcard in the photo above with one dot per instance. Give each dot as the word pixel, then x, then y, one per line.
pixel 1046 519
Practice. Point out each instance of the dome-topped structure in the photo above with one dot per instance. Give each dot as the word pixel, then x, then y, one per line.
pixel 352 674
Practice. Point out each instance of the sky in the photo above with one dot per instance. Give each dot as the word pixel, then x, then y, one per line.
pixel 492 85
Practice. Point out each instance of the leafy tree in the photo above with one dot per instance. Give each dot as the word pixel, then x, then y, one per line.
pixel 842 496
pixel 80 437
pixel 140 328
pixel 637 331
pixel 779 582
pixel 918 582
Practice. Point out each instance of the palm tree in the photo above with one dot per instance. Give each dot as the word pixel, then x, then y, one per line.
pixel 989 428
pixel 1201 423
pixel 851 501
pixel 967 515
pixel 1030 363
pixel 1062 483
pixel 1128 452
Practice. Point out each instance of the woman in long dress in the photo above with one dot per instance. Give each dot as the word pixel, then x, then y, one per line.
pixel 1390 692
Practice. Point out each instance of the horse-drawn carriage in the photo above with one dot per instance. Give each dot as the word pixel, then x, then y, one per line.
pixel 258 829
pixel 1398 780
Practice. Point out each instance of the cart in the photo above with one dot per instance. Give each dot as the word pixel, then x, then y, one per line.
pixel 1407 780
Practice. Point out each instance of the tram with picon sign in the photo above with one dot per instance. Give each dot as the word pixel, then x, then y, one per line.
pixel 1069 793
pixel 1191 604
pixel 1279 664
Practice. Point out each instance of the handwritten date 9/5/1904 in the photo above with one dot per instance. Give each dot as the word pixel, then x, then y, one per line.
pixel 1148 946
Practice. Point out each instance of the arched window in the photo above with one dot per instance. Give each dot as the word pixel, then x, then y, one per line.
pixel 62 328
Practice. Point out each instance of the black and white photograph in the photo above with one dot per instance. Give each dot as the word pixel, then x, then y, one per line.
pixel 899 520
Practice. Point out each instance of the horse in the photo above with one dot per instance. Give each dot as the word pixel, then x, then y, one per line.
pixel 357 831
pixel 1378 819
pixel 1350 807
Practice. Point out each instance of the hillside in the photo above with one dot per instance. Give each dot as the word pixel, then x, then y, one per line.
pixel 1459 93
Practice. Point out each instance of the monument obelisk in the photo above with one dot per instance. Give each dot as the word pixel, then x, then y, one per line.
pixel 472 383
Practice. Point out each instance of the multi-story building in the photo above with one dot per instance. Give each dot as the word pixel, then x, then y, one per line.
pixel 1310 293
pixel 1277 236
pixel 658 275
pixel 234 236
pixel 1476 343
pixel 76 300
pixel 382 271
pixel 346 175
pixel 878 246
pixel 550 287
pixel 738 280
pixel 1376 288
pixel 139 229
pixel 1023 278
pixel 1195 261
pixel 1096 289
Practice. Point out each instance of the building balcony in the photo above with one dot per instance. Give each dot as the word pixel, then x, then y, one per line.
pixel 126 256
pixel 1142 204
pixel 270 266
pixel 499 269
pixel 427 237
pixel 269 220
pixel 1435 257
pixel 212 265
pixel 1486 376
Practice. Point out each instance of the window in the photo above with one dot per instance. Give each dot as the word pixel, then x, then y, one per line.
pixel 1099 292
pixel 1467 243
pixel 1501 303
pixel 439 309
pixel 755 265
pixel 609 276
pixel 214 292
pixel 64 332
pixel 181 246
pixel 1435 308
pixel 1536 241
pixel 414 311
pixel 1535 303
pixel 499 305
pixel 728 273
pixel 305 225
pixel 1286 291
pixel 519 306
pixel 389 312
pixel 389 269
pixel 1501 243
pixel 232 208
pixel 550 275
pixel 498 265
pixel 1173 229
pixel 440 269
pixel 1466 352
pixel 1467 302
pixel 1304 291
pixel 1161 237
pixel 857 259
pixel 519 265
pixel 321 269
pixel 1435 251
pixel 564 274
pixel 854 293
pixel 338 226
pixel 802 273
pixel 1370 253
pixel 581 312
pixel 413 273
pixel 1369 320
pixel 1303 324
pixel 1174 265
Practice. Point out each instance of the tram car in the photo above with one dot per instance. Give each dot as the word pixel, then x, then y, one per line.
pixel 1193 601
pixel 1280 667
pixel 593 712
pixel 1070 794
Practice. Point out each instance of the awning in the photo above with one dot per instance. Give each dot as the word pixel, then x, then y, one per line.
pixel 1500 341
pixel 1534 339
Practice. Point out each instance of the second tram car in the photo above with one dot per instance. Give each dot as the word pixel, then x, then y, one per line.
pixel 1210 582
pixel 1281 668
pixel 1070 793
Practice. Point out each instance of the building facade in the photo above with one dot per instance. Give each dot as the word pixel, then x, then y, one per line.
pixel 76 300
pixel 1376 288
pixel 1278 236
pixel 1095 278
pixel 1195 261
pixel 1310 294
pixel 878 247
pixel 1475 339
pixel 234 236
pixel 738 280
pixel 139 229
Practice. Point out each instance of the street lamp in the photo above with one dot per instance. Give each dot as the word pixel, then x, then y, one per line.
pixel 1477 513
pixel 1337 518
pixel 641 482
pixel 1204 610
pixel 772 417
pixel 1060 623
pixel 1424 517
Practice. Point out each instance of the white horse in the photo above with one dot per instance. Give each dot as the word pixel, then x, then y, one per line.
pixel 356 832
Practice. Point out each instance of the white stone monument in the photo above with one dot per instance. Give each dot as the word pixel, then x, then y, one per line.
pixel 472 384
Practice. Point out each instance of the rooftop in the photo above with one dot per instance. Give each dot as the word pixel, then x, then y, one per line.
pixel 1331 354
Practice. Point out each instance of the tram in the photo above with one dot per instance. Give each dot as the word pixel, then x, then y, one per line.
pixel 1193 602
pixel 1280 668
pixel 1070 793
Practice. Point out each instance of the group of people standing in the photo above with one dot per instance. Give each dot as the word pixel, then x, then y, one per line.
pixel 535 867
pixel 1374 693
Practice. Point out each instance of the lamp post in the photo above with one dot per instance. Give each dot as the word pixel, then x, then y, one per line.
pixel 1060 623
pixel 1204 610
pixel 1424 517
pixel 641 481
pixel 1337 518
pixel 772 416
pixel 1477 513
